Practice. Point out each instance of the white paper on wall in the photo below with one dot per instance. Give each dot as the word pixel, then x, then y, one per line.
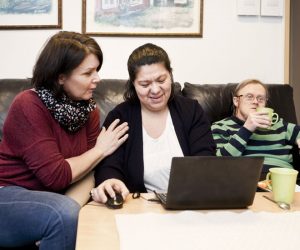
pixel 248 7
pixel 271 8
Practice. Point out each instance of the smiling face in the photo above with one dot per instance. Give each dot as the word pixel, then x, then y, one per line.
pixel 83 80
pixel 243 103
pixel 153 86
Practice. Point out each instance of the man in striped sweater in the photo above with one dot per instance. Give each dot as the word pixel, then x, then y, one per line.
pixel 246 131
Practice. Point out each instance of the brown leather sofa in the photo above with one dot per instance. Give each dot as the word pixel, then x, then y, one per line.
pixel 215 99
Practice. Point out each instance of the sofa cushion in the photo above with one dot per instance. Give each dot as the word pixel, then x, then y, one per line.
pixel 108 94
pixel 9 88
pixel 216 99
pixel 282 101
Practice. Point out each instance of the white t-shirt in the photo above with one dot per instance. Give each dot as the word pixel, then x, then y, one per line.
pixel 158 154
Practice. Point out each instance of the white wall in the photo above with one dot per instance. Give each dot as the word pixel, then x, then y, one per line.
pixel 233 48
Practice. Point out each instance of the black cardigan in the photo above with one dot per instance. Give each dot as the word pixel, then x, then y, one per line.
pixel 126 163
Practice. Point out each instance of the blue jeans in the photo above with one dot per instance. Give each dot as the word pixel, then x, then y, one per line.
pixel 29 216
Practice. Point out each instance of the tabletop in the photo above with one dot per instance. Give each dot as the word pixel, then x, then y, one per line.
pixel 97 225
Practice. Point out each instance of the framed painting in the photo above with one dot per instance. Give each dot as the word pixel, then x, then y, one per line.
pixel 30 14
pixel 142 18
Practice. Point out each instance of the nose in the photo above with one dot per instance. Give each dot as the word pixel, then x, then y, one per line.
pixel 255 100
pixel 96 78
pixel 155 88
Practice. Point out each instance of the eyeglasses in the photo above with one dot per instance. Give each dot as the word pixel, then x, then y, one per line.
pixel 250 98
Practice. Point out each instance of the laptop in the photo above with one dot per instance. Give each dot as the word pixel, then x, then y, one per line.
pixel 212 182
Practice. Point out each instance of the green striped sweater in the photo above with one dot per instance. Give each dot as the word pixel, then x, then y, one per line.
pixel 275 145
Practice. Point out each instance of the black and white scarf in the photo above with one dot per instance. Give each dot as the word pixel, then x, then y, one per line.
pixel 71 115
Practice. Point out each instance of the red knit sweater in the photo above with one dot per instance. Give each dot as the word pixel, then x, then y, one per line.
pixel 34 146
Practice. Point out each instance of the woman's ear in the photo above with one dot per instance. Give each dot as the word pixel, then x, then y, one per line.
pixel 61 79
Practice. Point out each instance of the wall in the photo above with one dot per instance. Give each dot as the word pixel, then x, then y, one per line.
pixel 232 48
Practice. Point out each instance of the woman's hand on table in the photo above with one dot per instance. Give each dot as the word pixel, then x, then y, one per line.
pixel 109 187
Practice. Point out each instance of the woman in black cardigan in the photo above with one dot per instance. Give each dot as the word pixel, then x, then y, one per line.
pixel 161 125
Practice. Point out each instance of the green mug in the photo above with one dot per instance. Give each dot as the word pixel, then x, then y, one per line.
pixel 272 115
pixel 282 184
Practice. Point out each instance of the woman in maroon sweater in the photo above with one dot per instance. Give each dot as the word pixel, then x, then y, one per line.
pixel 51 139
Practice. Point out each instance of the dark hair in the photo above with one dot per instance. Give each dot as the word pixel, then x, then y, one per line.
pixel 63 52
pixel 146 54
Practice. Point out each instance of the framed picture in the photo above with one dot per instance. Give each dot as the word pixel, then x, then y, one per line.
pixel 142 18
pixel 30 14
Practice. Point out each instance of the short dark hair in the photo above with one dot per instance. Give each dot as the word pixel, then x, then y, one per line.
pixel 146 54
pixel 62 53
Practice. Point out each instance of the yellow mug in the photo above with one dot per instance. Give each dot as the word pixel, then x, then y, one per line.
pixel 282 184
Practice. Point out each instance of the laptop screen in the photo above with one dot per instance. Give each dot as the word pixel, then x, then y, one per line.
pixel 204 182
